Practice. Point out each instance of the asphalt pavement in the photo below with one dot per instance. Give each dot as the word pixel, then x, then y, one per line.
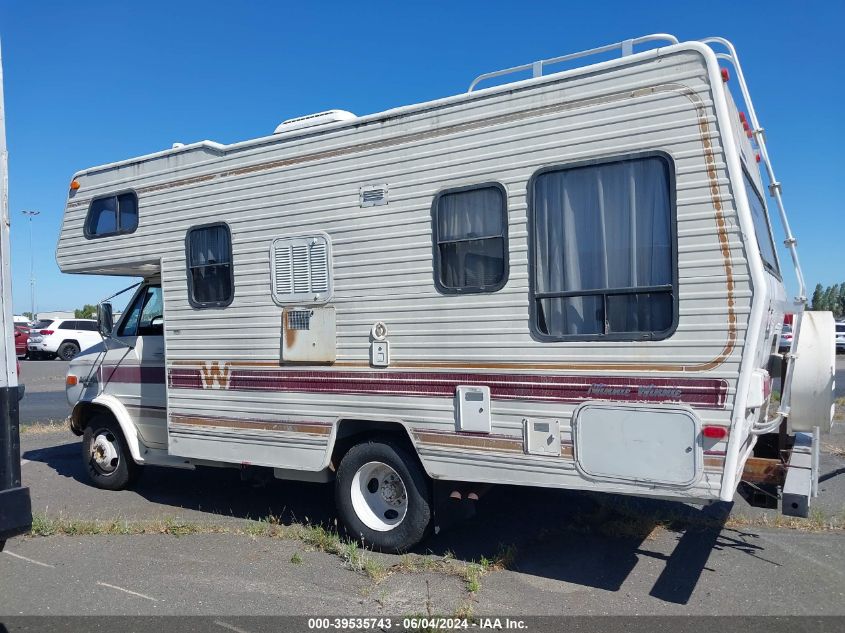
pixel 570 553
pixel 44 400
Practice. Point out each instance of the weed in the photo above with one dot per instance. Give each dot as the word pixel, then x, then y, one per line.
pixel 472 577
pixel 296 559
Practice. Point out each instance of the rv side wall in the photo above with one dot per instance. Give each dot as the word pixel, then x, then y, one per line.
pixel 232 398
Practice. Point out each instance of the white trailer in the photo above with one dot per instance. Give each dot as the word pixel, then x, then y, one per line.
pixel 566 281
pixel 15 505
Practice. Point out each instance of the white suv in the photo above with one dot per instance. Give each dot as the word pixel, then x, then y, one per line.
pixel 62 337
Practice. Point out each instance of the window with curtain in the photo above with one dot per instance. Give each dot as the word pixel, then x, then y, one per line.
pixel 602 247
pixel 112 215
pixel 470 239
pixel 209 258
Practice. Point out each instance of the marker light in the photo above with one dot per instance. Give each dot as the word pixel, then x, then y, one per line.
pixel 742 117
pixel 714 432
pixel 74 185
pixel 71 380
pixel 725 75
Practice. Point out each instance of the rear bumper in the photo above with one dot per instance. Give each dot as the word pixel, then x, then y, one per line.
pixel 15 512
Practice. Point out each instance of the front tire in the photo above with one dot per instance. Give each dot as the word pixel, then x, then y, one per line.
pixel 105 454
pixel 383 496
pixel 68 350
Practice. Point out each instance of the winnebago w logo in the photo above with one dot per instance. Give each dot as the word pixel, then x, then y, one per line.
pixel 215 375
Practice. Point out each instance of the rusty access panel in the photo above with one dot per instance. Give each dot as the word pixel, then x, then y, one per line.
pixel 309 335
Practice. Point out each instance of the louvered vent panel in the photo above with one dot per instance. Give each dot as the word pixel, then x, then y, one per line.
pixel 301 269
pixel 301 278
pixel 283 271
pixel 319 268
pixel 373 195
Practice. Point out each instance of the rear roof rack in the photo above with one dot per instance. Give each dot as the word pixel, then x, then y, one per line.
pixel 536 68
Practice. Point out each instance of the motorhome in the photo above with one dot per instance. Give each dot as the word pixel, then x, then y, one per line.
pixel 567 279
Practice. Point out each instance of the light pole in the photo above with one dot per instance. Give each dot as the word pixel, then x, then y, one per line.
pixel 31 215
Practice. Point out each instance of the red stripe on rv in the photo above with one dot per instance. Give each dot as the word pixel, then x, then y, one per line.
pixel 140 374
pixel 710 393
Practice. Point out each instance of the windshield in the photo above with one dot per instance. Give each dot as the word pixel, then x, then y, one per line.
pixel 761 228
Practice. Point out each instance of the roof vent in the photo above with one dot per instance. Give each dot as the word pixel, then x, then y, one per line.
pixel 312 120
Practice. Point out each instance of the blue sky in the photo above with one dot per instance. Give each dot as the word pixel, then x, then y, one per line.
pixel 92 82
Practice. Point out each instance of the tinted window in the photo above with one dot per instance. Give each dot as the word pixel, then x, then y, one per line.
pixel 86 325
pixel 603 250
pixel 209 259
pixel 470 231
pixel 144 317
pixel 840 327
pixel 112 215
pixel 68 325
pixel 40 325
pixel 761 227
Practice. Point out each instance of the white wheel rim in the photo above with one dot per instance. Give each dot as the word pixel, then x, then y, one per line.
pixel 379 497
pixel 105 452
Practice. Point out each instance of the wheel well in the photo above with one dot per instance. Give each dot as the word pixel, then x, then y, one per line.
pixel 352 432
pixel 83 412
pixel 70 340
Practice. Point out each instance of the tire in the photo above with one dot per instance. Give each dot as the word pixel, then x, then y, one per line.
pixel 106 456
pixel 392 522
pixel 68 350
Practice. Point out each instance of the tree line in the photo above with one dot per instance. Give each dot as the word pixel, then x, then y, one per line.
pixel 831 298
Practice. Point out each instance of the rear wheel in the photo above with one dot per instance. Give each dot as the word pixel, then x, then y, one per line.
pixel 105 454
pixel 68 350
pixel 383 496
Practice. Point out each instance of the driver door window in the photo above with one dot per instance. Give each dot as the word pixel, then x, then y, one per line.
pixel 145 317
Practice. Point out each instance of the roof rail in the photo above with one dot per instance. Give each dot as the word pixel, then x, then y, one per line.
pixel 759 137
pixel 536 68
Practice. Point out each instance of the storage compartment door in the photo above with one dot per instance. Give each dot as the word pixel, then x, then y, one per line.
pixel 651 445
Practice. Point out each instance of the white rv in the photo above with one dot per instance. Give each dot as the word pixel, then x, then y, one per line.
pixel 568 280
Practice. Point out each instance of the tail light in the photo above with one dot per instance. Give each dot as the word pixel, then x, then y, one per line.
pixel 46 332
pixel 714 432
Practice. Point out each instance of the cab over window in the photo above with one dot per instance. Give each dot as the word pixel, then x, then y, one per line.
pixel 470 239
pixel 602 250
pixel 112 215
pixel 209 258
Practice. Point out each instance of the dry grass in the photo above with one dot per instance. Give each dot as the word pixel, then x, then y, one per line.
pixel 833 450
pixel 839 409
pixel 316 537
pixel 43 428
pixel 818 521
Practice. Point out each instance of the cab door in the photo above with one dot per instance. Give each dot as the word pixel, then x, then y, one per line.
pixel 138 378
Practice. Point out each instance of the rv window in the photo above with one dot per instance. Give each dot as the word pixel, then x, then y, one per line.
pixel 602 247
pixel 761 227
pixel 470 239
pixel 209 256
pixel 112 215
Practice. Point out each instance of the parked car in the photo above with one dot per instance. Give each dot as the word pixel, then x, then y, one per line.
pixel 785 342
pixel 64 338
pixel 21 336
pixel 840 337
